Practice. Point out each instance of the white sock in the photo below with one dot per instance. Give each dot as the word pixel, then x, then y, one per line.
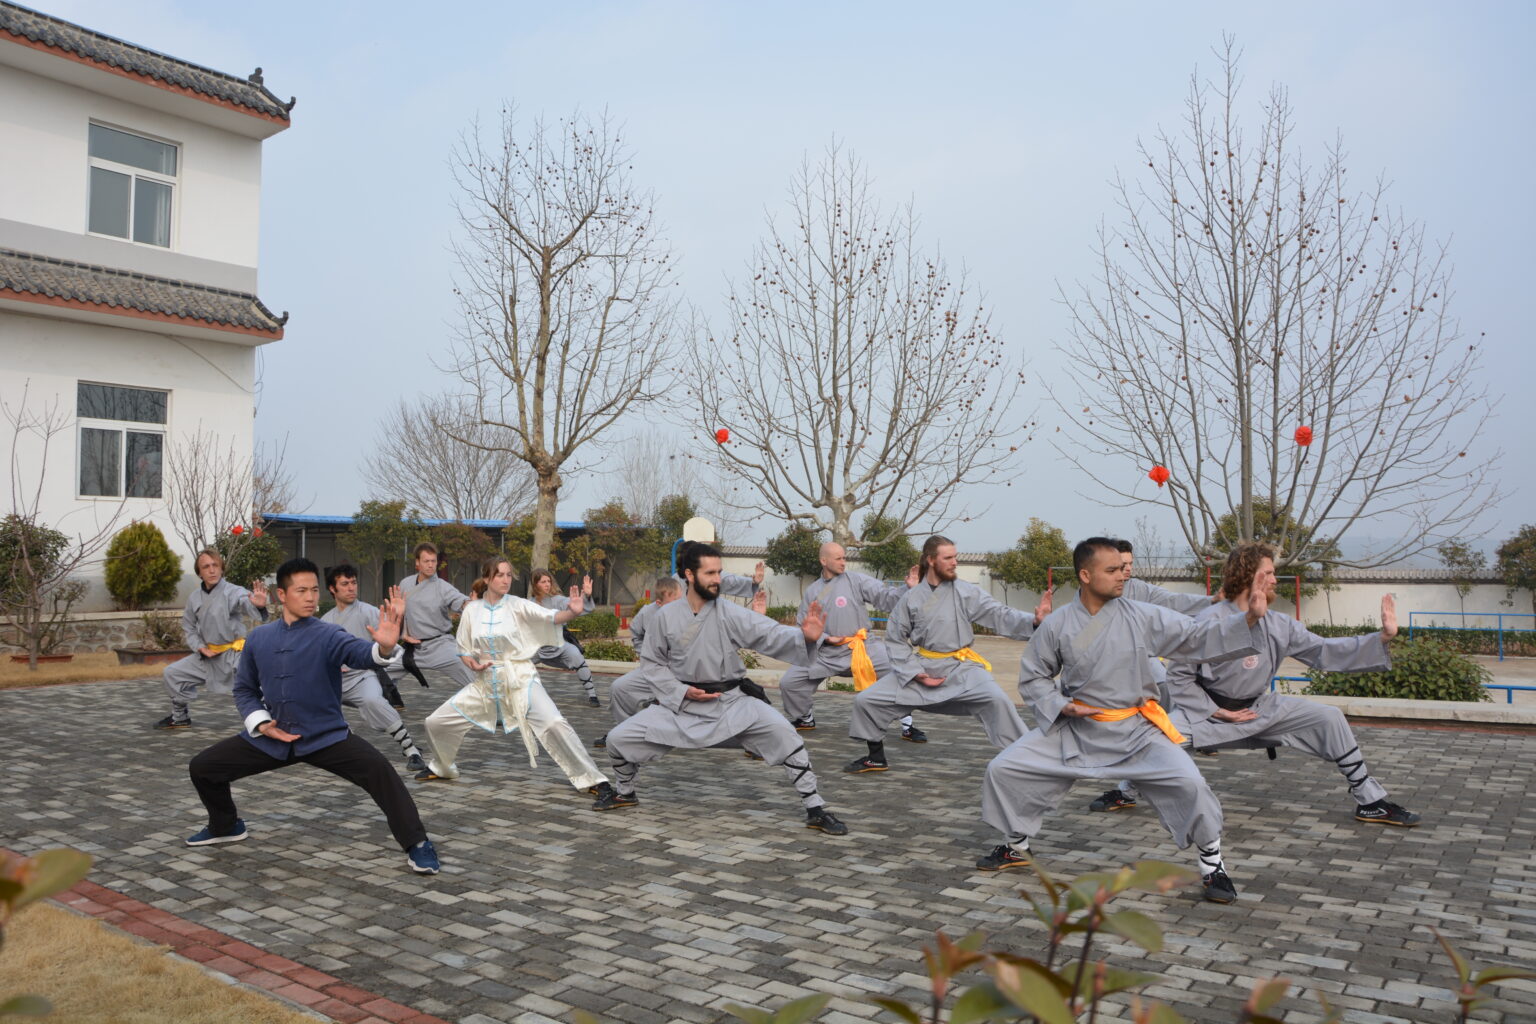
pixel 906 723
pixel 1019 844
pixel 1210 857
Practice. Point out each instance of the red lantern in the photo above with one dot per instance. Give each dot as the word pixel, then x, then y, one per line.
pixel 1303 436
pixel 237 529
pixel 1158 475
pixel 722 435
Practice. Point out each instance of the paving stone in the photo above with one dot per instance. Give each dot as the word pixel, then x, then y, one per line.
pixel 711 891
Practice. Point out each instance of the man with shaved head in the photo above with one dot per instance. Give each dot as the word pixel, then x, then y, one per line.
pixel 847 649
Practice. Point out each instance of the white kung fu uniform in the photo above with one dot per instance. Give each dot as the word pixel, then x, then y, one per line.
pixel 216 617
pixel 562 653
pixel 507 633
pixel 1104 661
pixel 641 683
pixel 429 611
pixel 703 650
pixel 938 619
pixel 1311 727
pixel 361 688
pixel 843 599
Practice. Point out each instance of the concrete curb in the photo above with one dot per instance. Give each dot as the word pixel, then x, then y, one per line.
pixel 1405 711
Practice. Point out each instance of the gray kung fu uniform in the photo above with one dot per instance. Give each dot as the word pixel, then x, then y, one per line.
pixel 843 599
pixel 429 610
pixel 1105 660
pixel 212 617
pixel 1313 728
pixel 564 654
pixel 643 682
pixel 703 650
pixel 361 688
pixel 938 618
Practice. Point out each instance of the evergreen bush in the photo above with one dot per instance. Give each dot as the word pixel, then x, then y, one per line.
pixel 784 613
pixel 249 556
pixel 610 650
pixel 599 623
pixel 1421 670
pixel 142 570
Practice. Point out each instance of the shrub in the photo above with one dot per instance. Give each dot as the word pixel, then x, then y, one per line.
pixel 1421 670
pixel 748 659
pixel 1328 629
pixel 249 557
pixel 599 623
pixel 161 632
pixel 610 650
pixel 141 568
pixel 784 613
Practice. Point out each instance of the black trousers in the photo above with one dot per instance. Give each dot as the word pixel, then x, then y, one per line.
pixel 353 759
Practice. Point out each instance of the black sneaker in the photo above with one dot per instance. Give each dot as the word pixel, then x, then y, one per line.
pixel 415 764
pixel 1218 887
pixel 912 734
pixel 866 764
pixel 594 702
pixel 751 756
pixel 169 722
pixel 1385 812
pixel 1002 858
pixel 609 799
pixel 823 819
pixel 601 743
pixel 1207 751
pixel 806 724
pixel 1114 800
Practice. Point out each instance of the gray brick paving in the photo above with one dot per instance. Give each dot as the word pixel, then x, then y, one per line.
pixel 711 891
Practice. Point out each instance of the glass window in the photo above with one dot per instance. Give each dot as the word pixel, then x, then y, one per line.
pixel 133 183
pixel 110 402
pixel 100 461
pixel 142 468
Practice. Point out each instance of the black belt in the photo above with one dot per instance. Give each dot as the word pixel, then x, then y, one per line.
pixel 746 686
pixel 1231 703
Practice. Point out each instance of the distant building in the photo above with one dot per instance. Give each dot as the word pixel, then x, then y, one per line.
pixel 130 197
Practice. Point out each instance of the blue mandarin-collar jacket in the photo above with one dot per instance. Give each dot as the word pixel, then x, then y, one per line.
pixel 291 674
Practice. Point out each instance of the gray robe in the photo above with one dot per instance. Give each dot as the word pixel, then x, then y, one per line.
pixel 843 599
pixel 1314 728
pixel 212 617
pixel 638 685
pixel 1104 660
pixel 689 649
pixel 429 609
pixel 361 688
pixel 938 618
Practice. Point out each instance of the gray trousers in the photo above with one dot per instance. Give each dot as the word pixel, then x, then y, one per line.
pixel 363 691
pixel 968 689
pixel 1026 782
pixel 627 693
pixel 441 655
pixel 1306 725
pixel 183 677
pixel 732 719
pixel 568 657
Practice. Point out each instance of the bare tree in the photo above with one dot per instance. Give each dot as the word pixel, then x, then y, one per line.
pixel 650 466
pixel 564 288
pixel 38 562
pixel 1247 294
pixel 272 485
pixel 860 374
pixel 419 457
pixel 208 487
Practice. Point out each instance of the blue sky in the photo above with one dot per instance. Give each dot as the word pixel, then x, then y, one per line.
pixel 1003 123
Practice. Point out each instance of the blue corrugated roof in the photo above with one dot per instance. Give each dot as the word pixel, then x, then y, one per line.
pixel 485 524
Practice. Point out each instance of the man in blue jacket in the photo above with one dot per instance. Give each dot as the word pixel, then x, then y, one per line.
pixel 288 690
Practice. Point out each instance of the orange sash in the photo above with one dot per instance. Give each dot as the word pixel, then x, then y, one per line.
pixel 1152 711
pixel 863 669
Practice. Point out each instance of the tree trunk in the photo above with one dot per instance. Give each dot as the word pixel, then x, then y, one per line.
pixel 544 518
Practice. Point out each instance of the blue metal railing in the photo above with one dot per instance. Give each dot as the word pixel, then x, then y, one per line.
pixel 1500 616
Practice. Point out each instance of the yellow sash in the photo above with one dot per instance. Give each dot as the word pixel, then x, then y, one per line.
pixel 233 645
pixel 1152 711
pixel 963 654
pixel 863 669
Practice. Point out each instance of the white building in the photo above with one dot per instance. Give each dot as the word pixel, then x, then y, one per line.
pixel 130 193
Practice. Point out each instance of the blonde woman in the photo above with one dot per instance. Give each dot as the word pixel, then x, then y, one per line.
pixel 498 637
pixel 562 653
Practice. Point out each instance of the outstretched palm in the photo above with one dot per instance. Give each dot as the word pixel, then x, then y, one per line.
pixel 1388 616
pixel 815 622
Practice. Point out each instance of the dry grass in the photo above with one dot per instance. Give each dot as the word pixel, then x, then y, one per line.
pixel 94 975
pixel 85 668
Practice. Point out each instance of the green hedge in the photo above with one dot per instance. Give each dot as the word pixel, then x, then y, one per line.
pixel 785 613
pixel 598 624
pixel 609 650
pixel 1421 670
pixel 1466 641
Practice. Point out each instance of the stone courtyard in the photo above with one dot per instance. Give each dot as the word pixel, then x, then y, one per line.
pixel 711 892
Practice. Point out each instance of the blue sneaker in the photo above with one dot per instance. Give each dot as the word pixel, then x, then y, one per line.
pixel 423 858
pixel 208 837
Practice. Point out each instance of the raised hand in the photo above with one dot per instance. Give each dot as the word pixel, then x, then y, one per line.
pixel 577 605
pixel 1258 602
pixel 758 572
pixel 1044 607
pixel 259 593
pixel 760 602
pixel 586 586
pixel 914 576
pixel 1388 616
pixel 815 622
pixel 387 633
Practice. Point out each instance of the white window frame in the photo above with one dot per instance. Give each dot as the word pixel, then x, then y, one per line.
pixel 173 181
pixel 122 429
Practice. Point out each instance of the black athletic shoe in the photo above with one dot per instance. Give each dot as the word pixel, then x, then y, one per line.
pixel 428 775
pixel 1002 858
pixel 866 764
pixel 1385 812
pixel 609 799
pixel 601 742
pixel 415 764
pixel 1114 800
pixel 169 722
pixel 821 818
pixel 912 734
pixel 1207 751
pixel 1218 887
pixel 806 724
pixel 594 702
pixel 751 756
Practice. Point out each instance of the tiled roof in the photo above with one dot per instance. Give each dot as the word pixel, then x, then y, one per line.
pixel 81 284
pixel 98 48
